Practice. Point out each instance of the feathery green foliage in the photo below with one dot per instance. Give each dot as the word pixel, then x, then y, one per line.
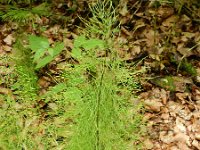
pixel 101 114
pixel 24 15
pixel 25 86
pixel 17 1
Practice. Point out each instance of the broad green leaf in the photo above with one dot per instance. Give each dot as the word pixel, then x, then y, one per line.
pixel 51 52
pixel 38 43
pixel 86 44
pixel 38 54
pixel 76 52
pixel 93 43
pixel 44 44
pixel 43 62
pixel 79 41
pixel 58 48
pixel 55 90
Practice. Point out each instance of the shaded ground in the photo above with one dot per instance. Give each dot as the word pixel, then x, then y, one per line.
pixel 164 40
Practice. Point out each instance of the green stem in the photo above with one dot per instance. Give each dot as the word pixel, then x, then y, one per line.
pixel 98 109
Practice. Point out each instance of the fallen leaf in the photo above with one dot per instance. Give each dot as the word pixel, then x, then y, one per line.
pixel 197 136
pixel 182 146
pixel 7 48
pixel 182 138
pixel 196 144
pixel 179 127
pixel 164 12
pixel 44 82
pixel 169 22
pixel 166 137
pixel 9 39
pixel 5 91
pixel 148 144
pixel 153 105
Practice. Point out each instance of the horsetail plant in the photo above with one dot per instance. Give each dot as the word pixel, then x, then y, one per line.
pixel 102 119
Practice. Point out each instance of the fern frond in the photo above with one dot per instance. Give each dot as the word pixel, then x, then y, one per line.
pixel 24 15
pixel 17 1
pixel 41 10
pixel 18 15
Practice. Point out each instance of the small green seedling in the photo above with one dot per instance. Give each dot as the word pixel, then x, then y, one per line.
pixel 43 52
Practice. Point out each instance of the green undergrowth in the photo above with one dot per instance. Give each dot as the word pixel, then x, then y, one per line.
pixel 22 118
pixel 103 118
pixel 91 106
pixel 16 12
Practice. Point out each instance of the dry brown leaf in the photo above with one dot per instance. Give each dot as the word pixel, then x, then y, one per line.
pixel 125 31
pixel 183 146
pixel 170 21
pixel 197 136
pixel 166 137
pixel 136 49
pixel 68 43
pixel 138 25
pixel 148 144
pixel 174 148
pixel 9 39
pixel 182 138
pixel 182 96
pixel 5 91
pixel 165 116
pixel 196 95
pixel 150 35
pixel 153 105
pixel 53 106
pixel 43 82
pixel 164 96
pixel 7 48
pixel 188 35
pixel 183 50
pixel 174 108
pixel 164 12
pixel 196 144
pixel 179 127
pixel 124 10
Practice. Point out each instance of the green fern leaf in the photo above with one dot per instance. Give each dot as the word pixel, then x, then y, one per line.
pixel 41 10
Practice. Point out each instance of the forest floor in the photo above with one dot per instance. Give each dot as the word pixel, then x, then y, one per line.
pixel 163 40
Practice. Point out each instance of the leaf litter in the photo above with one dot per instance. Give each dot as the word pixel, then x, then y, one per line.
pixel 171 94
